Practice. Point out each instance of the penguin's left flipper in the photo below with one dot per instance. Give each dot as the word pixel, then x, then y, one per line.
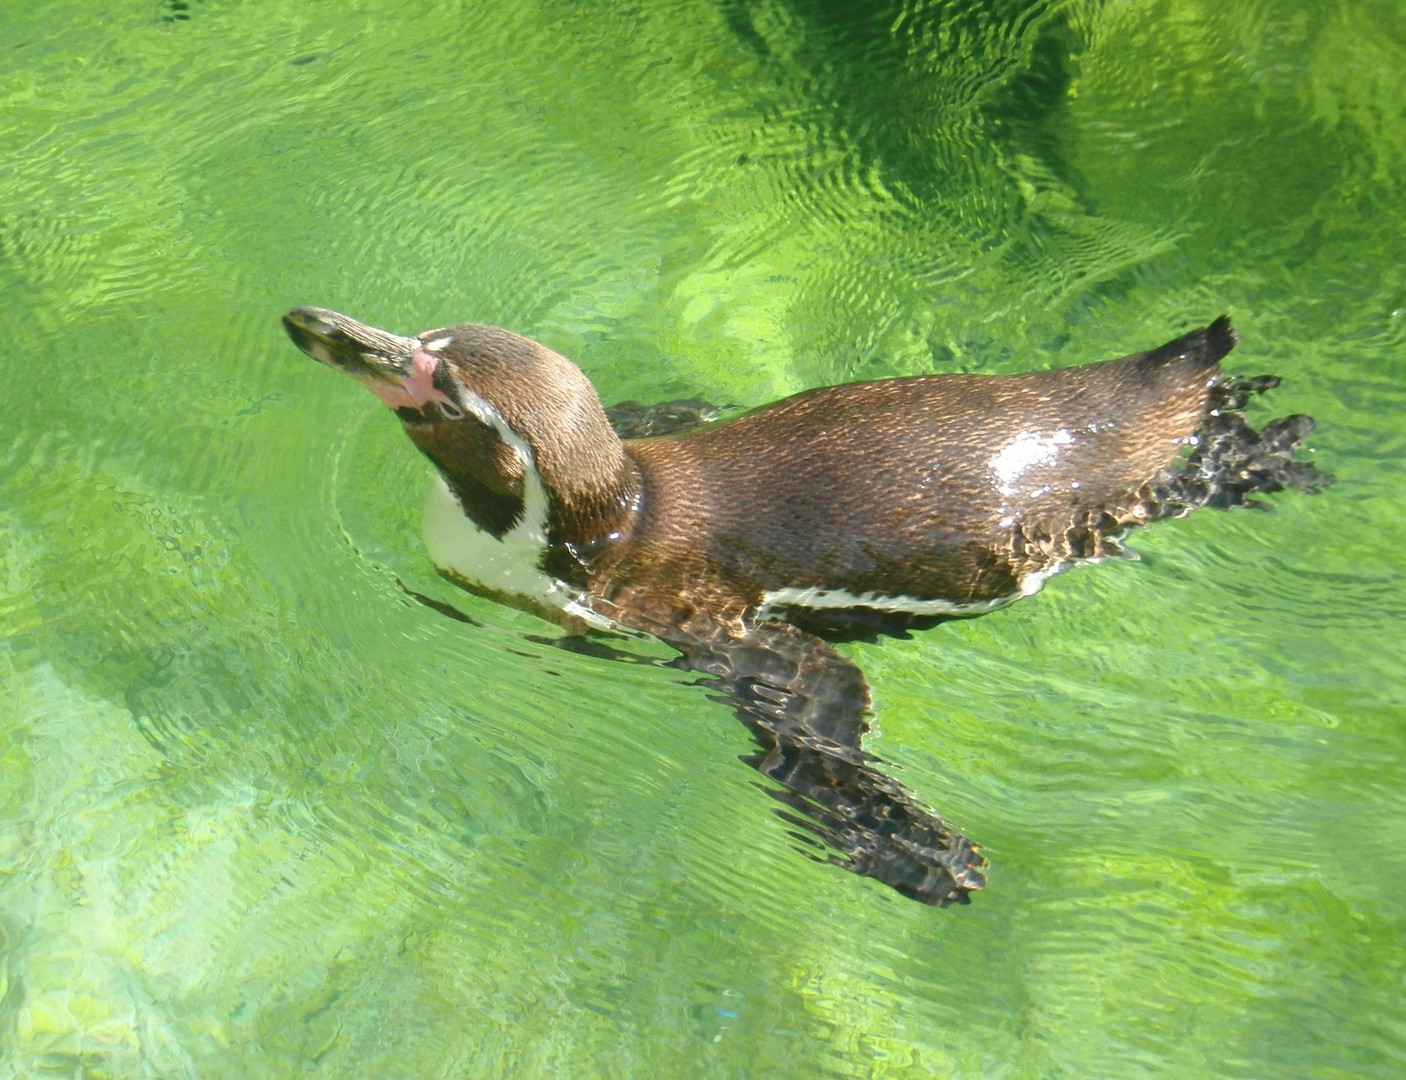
pixel 807 707
pixel 632 420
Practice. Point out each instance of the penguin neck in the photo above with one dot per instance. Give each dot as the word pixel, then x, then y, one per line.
pixel 590 510
pixel 573 495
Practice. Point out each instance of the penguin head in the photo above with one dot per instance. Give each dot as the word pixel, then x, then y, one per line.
pixel 494 412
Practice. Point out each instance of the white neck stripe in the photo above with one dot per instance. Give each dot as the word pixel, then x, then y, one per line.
pixel 511 564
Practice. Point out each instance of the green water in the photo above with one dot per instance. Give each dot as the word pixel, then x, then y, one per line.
pixel 262 815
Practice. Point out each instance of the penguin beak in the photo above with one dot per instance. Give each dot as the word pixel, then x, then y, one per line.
pixel 363 352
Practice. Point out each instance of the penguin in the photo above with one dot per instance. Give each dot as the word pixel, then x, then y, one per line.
pixel 752 544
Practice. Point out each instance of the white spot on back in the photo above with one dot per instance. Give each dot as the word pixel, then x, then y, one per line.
pixel 1026 451
pixel 438 343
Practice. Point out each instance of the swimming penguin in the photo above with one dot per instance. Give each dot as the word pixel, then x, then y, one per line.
pixel 838 513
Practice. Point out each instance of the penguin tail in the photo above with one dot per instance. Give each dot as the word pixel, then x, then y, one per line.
pixel 1201 350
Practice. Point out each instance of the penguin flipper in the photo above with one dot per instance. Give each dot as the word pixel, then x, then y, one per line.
pixel 807 707
pixel 632 420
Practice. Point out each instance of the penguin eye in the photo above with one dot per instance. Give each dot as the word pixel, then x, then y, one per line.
pixel 451 411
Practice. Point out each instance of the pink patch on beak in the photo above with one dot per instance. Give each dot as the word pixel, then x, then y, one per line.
pixel 418 389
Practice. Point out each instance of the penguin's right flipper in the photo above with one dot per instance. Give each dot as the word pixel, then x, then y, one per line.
pixel 807 707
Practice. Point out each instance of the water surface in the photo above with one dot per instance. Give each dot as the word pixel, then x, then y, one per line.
pixel 263 815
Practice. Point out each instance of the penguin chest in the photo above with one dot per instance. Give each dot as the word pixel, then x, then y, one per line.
pixel 506 568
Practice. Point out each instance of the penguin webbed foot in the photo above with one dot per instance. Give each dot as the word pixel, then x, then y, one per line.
pixel 633 420
pixel 807 708
pixel 1233 461
pixel 1233 392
